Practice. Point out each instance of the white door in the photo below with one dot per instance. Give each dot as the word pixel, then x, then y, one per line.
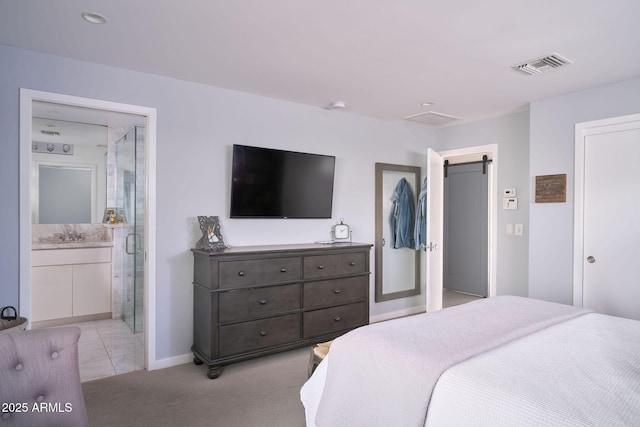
pixel 610 219
pixel 435 200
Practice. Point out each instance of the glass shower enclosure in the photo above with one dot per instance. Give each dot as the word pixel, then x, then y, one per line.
pixel 130 200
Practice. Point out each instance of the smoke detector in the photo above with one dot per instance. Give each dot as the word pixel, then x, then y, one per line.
pixel 543 64
pixel 432 118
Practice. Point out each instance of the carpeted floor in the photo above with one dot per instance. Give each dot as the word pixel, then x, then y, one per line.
pixel 259 392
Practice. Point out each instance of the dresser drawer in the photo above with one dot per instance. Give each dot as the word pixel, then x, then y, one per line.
pixel 326 293
pixel 235 274
pixel 353 263
pixel 329 320
pixel 281 269
pixel 248 304
pixel 259 334
pixel 319 266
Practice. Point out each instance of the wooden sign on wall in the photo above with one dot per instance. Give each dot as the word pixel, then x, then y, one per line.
pixel 551 188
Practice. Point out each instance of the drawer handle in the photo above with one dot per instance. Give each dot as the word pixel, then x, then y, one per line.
pixel 321 267
pixel 263 333
pixel 263 301
pixel 283 270
pixel 337 319
pixel 352 263
pixel 240 273
pixel 336 291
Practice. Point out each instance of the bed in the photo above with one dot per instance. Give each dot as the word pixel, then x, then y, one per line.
pixel 498 361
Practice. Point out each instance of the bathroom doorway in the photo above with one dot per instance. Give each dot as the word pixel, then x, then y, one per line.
pixel 145 244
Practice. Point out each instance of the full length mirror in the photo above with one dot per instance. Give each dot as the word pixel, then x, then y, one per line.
pixel 397 260
pixel 68 170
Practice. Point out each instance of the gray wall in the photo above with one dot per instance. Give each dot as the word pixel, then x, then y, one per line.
pixel 511 134
pixel 197 126
pixel 552 152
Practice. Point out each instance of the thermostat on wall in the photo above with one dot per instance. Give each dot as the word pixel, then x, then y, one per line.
pixel 509 192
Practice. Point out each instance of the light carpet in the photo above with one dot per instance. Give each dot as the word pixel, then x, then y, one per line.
pixel 255 393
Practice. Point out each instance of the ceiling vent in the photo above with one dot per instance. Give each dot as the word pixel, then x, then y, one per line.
pixel 543 64
pixel 50 132
pixel 432 118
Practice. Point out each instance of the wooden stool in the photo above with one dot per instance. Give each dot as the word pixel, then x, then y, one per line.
pixel 318 353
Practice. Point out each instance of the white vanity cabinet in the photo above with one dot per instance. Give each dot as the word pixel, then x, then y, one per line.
pixel 70 283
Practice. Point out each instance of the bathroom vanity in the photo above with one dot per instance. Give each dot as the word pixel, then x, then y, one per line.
pixel 70 281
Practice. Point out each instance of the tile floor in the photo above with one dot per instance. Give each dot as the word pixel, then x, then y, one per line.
pixel 451 298
pixel 108 347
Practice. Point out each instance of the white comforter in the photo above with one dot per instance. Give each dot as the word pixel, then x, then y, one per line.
pixel 583 372
pixel 392 386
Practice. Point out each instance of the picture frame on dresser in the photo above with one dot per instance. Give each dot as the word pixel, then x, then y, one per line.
pixel 211 234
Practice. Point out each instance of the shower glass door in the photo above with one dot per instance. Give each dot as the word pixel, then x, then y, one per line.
pixel 130 196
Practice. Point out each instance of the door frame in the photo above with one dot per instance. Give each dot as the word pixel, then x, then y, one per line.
pixel 473 154
pixel 27 97
pixel 582 130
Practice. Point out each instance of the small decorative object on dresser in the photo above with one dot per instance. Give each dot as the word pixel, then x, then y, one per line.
pixel 341 231
pixel 211 234
pixel 257 300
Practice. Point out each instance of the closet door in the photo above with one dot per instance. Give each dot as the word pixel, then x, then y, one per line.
pixel 612 221
pixel 466 229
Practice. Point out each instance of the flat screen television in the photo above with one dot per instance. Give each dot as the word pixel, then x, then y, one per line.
pixel 269 183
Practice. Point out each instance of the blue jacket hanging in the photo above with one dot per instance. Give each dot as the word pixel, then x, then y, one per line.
pixel 402 216
pixel 420 234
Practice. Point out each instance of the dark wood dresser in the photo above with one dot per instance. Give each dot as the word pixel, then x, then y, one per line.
pixel 256 300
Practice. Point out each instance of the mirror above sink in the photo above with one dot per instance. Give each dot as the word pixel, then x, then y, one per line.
pixel 69 172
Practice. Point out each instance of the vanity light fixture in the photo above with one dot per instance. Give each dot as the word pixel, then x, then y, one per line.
pixel 94 18
pixel 52 148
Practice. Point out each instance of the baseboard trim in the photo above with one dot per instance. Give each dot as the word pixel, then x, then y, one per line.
pixel 171 361
pixel 399 313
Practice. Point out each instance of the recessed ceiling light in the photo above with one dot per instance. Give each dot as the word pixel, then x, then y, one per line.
pixel 426 104
pixel 94 18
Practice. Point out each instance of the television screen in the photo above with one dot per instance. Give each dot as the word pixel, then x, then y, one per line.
pixel 268 183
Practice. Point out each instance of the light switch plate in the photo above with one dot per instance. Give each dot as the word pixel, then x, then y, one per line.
pixel 519 229
pixel 510 192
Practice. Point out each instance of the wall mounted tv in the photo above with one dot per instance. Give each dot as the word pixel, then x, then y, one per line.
pixel 269 183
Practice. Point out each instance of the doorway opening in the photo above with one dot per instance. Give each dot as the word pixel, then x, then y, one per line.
pixel 466 229
pixel 472 155
pixel 106 113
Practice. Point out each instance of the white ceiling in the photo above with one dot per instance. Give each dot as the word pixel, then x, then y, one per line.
pixel 383 58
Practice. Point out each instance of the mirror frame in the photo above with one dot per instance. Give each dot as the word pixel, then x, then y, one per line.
pixel 379 218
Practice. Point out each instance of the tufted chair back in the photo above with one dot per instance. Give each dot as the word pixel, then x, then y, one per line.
pixel 40 380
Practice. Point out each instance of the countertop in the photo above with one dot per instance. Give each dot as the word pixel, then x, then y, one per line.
pixel 36 246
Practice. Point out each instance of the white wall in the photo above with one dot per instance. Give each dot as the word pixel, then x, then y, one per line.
pixel 511 134
pixel 552 152
pixel 197 126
